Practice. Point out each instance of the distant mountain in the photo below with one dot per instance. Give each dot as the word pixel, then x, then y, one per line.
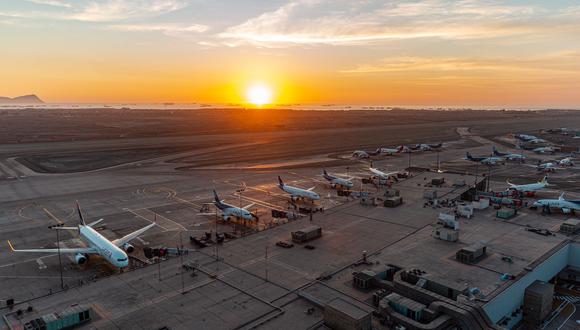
pixel 25 99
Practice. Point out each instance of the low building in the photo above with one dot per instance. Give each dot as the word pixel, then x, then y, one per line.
pixel 340 314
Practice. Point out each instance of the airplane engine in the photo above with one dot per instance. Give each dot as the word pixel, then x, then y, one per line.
pixel 128 248
pixel 80 258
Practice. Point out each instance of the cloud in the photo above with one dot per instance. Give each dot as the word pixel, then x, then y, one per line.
pixel 564 63
pixel 310 22
pixel 101 10
pixel 114 10
pixel 54 3
pixel 167 29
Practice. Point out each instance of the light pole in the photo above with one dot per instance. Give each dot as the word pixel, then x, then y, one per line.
pixel 54 227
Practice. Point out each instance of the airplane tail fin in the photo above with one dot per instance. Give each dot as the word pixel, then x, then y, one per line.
pixel 468 155
pixel 544 180
pixel 280 182
pixel 81 218
pixel 216 197
pixel 561 198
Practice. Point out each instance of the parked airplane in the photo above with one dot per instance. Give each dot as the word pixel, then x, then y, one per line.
pixel 547 167
pixel 537 141
pixel 297 193
pixel 525 137
pixel 382 175
pixel 529 187
pixel 484 160
pixel 115 251
pixel 566 162
pixel 544 150
pixel 390 151
pixel 426 146
pixel 508 156
pixel 337 182
pixel 567 206
pixel 360 154
pixel 229 211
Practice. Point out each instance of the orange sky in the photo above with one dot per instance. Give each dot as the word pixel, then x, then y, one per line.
pixel 437 52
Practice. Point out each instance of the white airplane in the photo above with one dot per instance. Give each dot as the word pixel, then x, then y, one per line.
pixel 390 151
pixel 546 167
pixel 296 192
pixel 544 150
pixel 229 211
pixel 484 160
pixel 337 182
pixel 529 187
pixel 525 137
pixel 566 206
pixel 382 175
pixel 536 141
pixel 360 154
pixel 115 251
pixel 427 147
pixel 566 162
pixel 508 156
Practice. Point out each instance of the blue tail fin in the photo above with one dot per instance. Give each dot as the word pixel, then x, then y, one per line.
pixel 81 218
pixel 280 182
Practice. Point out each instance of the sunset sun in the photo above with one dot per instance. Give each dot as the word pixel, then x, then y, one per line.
pixel 259 94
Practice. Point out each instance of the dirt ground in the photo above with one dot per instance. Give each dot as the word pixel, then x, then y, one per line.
pixel 62 141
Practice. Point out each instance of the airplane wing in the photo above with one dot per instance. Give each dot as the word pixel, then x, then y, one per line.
pixel 88 250
pixel 248 206
pixel 133 235
pixel 311 188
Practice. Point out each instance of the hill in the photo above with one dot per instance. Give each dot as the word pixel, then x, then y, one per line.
pixel 25 99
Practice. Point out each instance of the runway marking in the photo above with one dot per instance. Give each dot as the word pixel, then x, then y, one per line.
pixel 25 261
pixel 41 264
pixel 142 241
pixel 158 217
pixel 184 201
pixel 142 217
pixel 52 216
pixel 258 202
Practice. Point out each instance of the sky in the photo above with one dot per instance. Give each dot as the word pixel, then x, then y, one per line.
pixel 431 53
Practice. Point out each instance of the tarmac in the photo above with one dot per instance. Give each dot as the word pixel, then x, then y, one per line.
pixel 249 281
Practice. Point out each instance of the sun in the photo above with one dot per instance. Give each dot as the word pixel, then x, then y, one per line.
pixel 259 94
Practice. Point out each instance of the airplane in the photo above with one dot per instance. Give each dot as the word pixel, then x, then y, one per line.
pixel 529 187
pixel 360 154
pixel 484 160
pixel 115 251
pixel 536 141
pixel 567 206
pixel 507 155
pixel 337 182
pixel 525 137
pixel 546 167
pixel 229 211
pixel 382 175
pixel 390 151
pixel 566 162
pixel 427 146
pixel 296 193
pixel 544 150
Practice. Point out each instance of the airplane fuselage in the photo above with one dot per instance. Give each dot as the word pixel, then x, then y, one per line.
pixel 564 205
pixel 105 248
pixel 296 192
pixel 233 211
